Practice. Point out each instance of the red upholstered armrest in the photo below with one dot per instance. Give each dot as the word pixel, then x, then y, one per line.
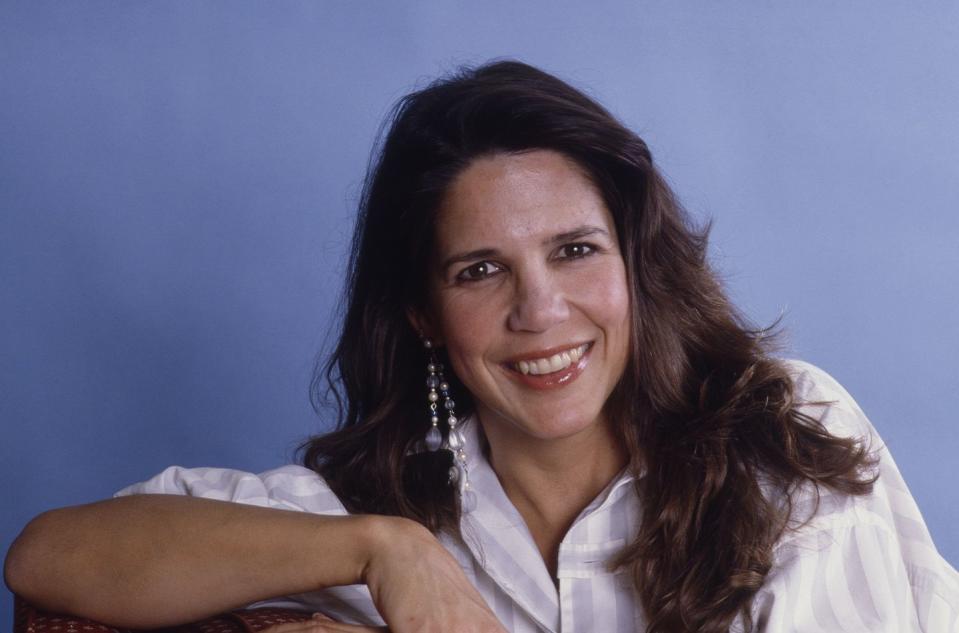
pixel 29 619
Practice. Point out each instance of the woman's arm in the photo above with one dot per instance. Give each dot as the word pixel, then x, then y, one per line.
pixel 154 560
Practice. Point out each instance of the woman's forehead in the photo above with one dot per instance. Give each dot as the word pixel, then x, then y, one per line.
pixel 519 197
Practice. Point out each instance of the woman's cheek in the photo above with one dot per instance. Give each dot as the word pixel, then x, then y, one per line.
pixel 602 290
pixel 469 321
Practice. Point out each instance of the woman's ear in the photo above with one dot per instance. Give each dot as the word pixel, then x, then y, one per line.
pixel 423 325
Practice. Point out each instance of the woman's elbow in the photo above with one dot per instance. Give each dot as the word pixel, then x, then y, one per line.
pixel 28 555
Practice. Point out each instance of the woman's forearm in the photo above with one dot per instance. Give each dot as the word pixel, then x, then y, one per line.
pixel 154 560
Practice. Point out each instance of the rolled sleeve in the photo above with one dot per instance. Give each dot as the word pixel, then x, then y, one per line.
pixel 289 487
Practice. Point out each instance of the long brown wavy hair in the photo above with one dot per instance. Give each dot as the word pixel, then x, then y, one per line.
pixel 708 415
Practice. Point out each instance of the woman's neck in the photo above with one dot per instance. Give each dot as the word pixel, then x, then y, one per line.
pixel 551 481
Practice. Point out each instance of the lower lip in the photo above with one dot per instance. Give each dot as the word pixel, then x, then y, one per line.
pixel 554 380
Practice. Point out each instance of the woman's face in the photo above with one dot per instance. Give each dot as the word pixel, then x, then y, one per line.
pixel 529 294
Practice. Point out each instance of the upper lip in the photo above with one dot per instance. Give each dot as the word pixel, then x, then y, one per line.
pixel 544 353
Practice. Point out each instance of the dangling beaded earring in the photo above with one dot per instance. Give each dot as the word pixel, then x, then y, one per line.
pixel 455 442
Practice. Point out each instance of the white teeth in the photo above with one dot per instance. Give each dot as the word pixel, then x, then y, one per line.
pixel 554 363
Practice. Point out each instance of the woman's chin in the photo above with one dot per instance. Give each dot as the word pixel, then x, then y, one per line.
pixel 547 426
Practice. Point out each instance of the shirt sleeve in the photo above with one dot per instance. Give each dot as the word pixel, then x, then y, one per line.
pixel 289 487
pixel 856 563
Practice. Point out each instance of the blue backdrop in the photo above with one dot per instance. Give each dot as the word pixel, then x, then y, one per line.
pixel 177 184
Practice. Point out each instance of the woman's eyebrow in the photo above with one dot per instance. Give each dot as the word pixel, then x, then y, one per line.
pixel 481 253
pixel 577 234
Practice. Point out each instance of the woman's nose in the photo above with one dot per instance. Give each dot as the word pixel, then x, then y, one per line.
pixel 538 304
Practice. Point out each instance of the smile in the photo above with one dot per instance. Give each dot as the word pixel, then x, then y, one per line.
pixel 550 369
pixel 551 364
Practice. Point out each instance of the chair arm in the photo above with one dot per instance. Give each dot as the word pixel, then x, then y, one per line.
pixel 30 619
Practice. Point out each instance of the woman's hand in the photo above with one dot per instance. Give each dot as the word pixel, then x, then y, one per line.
pixel 418 586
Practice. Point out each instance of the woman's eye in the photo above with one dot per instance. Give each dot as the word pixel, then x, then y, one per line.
pixel 478 272
pixel 575 251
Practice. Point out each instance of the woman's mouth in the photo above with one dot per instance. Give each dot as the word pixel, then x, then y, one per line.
pixel 551 370
pixel 551 364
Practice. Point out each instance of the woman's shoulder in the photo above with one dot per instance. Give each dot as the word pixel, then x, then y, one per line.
pixel 811 379
pixel 874 549
pixel 820 396
pixel 289 487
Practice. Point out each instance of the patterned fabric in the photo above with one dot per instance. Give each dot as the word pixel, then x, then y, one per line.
pixel 857 564
pixel 259 619
pixel 29 619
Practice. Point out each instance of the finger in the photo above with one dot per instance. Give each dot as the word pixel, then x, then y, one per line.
pixel 320 623
pixel 315 625
pixel 329 626
pixel 303 626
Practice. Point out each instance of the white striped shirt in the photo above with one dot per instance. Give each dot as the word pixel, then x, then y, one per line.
pixel 864 563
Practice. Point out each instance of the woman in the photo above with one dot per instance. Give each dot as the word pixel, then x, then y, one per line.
pixel 554 420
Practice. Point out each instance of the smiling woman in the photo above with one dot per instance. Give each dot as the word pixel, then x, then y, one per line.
pixel 621 451
pixel 513 315
pixel 531 294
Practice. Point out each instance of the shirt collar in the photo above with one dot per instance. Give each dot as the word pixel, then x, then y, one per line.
pixel 497 535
